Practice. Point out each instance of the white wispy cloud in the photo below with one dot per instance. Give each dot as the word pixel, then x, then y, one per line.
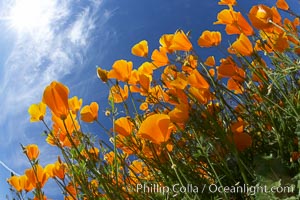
pixel 50 52
pixel 54 49
pixel 8 168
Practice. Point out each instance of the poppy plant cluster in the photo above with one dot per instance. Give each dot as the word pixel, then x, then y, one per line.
pixel 184 119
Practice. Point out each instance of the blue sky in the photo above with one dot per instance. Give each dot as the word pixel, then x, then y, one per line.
pixel 66 41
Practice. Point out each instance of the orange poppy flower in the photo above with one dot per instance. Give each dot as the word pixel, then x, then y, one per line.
pixel 169 74
pixel 227 17
pixel 140 49
pixel 25 184
pixel 175 96
pixel 144 81
pixel 89 113
pixel 109 157
pixel 123 126
pixel 134 77
pixel 281 42
pixel 144 106
pixel 263 46
pixel 166 41
pixel 159 57
pixel 136 167
pixel 37 112
pixel 118 94
pixel 234 21
pixel 180 114
pixel 209 39
pixel 121 70
pixel 156 94
pixel 156 128
pixel 93 153
pixel 211 72
pixel 229 69
pixel 127 144
pixel 274 42
pixel 49 170
pixel 240 26
pixel 43 197
pixel 210 61
pixel 276 18
pixel 20 183
pixel 150 151
pixel 202 96
pixel 241 139
pixel 260 16
pixel 227 2
pixel 195 79
pixel 15 182
pixel 291 26
pixel 259 75
pixel 282 4
pixel 59 169
pixel 32 151
pixel 242 46
pixel 50 139
pixel 296 22
pixel 75 104
pixel 102 74
pixel 56 98
pixel 181 42
pixel 190 63
pixel 71 190
pixel 37 176
pixel 235 86
pixel 146 68
pixel 180 82
pixel 258 72
pixel 59 127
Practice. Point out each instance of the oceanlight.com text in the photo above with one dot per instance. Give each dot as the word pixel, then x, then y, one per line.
pixel 212 188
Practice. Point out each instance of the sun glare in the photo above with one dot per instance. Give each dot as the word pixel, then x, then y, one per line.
pixel 27 15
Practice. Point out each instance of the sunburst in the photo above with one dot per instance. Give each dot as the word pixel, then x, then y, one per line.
pixel 28 15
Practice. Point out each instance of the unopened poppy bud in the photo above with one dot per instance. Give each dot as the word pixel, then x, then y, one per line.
pixel 102 74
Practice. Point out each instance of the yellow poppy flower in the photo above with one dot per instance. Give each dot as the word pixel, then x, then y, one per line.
pixel 75 104
pixel 89 113
pixel 15 182
pixel 140 49
pixel 121 70
pixel 37 112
